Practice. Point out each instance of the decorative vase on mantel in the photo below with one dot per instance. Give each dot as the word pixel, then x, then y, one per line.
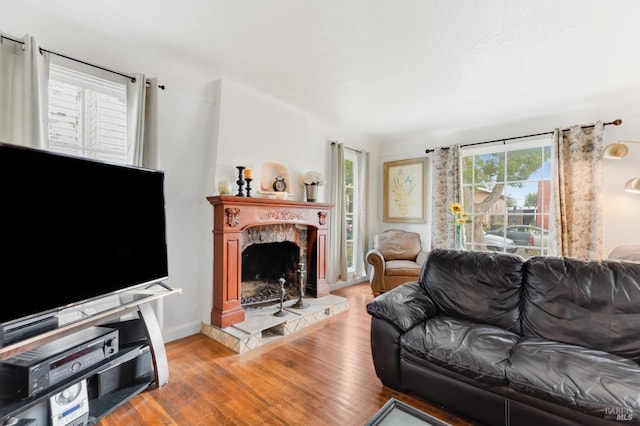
pixel 312 192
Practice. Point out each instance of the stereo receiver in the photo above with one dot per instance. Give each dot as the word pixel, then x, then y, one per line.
pixel 33 371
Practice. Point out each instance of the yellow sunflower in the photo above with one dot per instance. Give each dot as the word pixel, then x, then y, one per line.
pixel 456 208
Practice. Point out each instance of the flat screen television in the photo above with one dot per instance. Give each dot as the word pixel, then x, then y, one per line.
pixel 74 229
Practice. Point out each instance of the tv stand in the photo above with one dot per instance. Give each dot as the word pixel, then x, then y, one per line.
pixel 137 304
pixel 161 284
pixel 27 328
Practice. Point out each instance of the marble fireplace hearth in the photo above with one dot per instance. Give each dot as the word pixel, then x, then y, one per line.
pixel 261 326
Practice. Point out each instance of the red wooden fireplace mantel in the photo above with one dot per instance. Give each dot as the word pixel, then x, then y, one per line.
pixel 232 215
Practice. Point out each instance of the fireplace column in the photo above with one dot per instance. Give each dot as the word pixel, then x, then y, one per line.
pixel 227 255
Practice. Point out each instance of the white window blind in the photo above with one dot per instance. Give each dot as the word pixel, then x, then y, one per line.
pixel 87 115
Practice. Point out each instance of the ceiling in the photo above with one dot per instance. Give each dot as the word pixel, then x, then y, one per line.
pixel 385 67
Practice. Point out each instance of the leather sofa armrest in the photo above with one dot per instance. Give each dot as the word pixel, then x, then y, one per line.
pixel 403 306
pixel 375 259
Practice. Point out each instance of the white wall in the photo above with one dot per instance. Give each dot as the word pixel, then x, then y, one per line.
pixel 255 129
pixel 621 226
pixel 186 153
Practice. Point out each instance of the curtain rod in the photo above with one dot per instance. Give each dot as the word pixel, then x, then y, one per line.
pixel 346 147
pixel 130 77
pixel 616 122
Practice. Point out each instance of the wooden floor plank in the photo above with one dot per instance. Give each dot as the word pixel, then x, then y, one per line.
pixel 322 375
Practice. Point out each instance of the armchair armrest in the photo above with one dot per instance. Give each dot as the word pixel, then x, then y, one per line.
pixel 374 258
pixel 422 256
pixel 404 306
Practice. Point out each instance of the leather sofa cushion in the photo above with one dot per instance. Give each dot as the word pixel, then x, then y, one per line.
pixel 595 382
pixel 403 268
pixel 404 306
pixel 475 350
pixel 476 285
pixel 397 244
pixel 594 304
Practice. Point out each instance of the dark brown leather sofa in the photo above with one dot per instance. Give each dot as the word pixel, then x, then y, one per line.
pixel 509 341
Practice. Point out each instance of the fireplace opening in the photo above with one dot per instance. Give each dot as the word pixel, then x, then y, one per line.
pixel 262 267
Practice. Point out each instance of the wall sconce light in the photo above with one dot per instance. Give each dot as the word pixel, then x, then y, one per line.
pixel 633 185
pixel 617 150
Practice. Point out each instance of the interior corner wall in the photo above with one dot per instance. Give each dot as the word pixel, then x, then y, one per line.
pixel 184 148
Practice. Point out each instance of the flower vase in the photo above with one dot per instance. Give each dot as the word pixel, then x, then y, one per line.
pixel 459 241
pixel 224 187
pixel 312 192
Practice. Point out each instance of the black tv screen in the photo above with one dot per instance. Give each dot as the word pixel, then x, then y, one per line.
pixel 74 229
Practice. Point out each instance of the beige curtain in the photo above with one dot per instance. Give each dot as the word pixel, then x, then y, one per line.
pixel 576 204
pixel 359 258
pixel 142 113
pixel 446 189
pixel 24 77
pixel 150 137
pixel 337 261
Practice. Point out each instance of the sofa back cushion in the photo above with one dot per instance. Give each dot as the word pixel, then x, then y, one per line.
pixel 397 244
pixel 475 285
pixel 595 304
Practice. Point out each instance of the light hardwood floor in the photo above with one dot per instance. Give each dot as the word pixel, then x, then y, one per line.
pixel 323 375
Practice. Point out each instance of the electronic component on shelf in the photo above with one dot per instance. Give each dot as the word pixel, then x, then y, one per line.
pixel 70 407
pixel 19 330
pixel 34 371
pixel 14 421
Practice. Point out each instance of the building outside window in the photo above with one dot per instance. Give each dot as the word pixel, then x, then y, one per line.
pixel 507 192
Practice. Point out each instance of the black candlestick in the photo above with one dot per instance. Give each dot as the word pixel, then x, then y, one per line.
pixel 248 186
pixel 281 312
pixel 240 181
pixel 300 303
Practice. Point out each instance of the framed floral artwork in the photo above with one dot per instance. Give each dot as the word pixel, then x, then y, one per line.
pixel 404 185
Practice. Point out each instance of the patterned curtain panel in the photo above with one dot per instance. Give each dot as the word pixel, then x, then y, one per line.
pixel 446 190
pixel 576 219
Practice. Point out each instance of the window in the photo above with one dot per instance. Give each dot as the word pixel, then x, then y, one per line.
pixel 350 197
pixel 506 192
pixel 87 115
